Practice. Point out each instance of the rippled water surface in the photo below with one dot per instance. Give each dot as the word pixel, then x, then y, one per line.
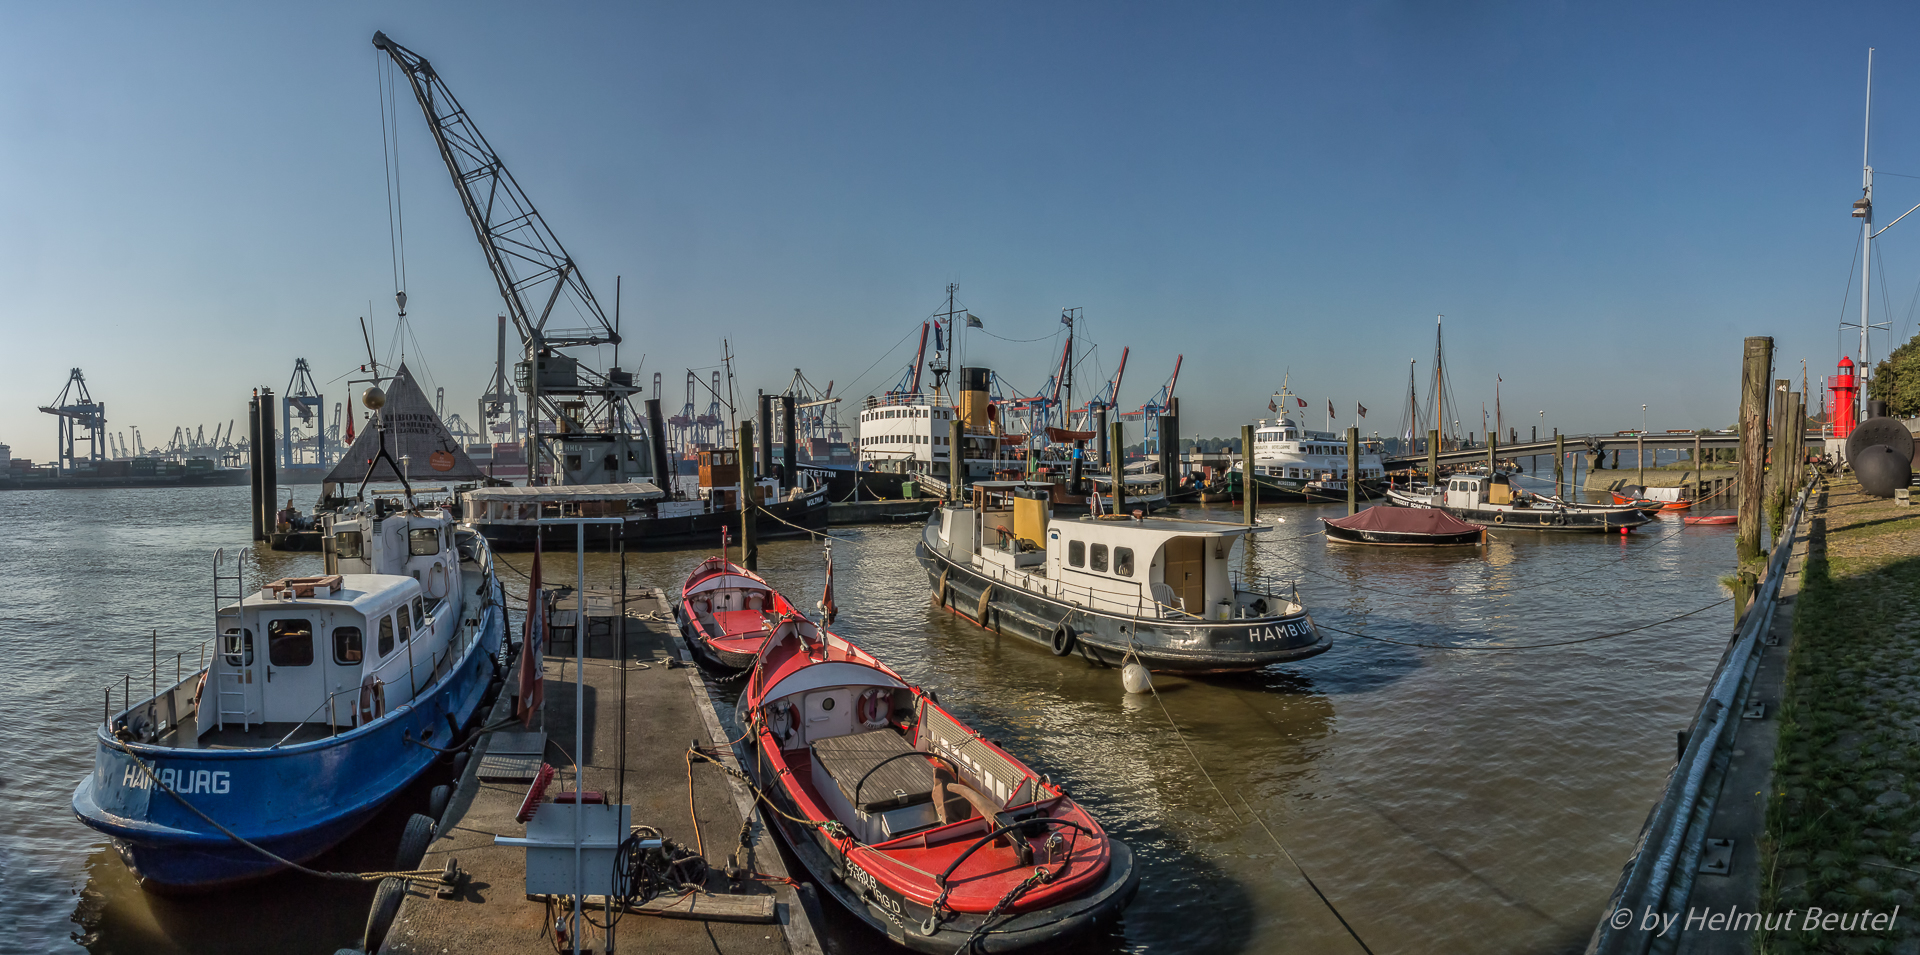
pixel 1444 800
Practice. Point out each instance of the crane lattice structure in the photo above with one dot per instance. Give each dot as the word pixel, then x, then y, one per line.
pixel 81 419
pixel 304 445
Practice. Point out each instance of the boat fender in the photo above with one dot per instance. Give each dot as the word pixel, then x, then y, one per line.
pixel 373 699
pixel 1135 678
pixel 980 612
pixel 1560 519
pixel 437 581
pixel 201 687
pixel 1259 607
pixel 940 591
pixel 874 704
pixel 1062 642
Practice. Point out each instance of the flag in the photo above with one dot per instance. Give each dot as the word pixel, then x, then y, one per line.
pixel 973 322
pixel 1094 503
pixel 349 430
pixel 1065 320
pixel 1363 411
pixel 532 681
pixel 1271 406
pixel 937 346
pixel 1303 402
pixel 827 609
pixel 1330 411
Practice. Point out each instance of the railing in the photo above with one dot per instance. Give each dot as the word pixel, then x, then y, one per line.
pixel 1663 868
pixel 903 400
pixel 162 710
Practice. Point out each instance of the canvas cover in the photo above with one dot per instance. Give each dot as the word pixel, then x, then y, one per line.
pixel 1404 520
pixel 415 435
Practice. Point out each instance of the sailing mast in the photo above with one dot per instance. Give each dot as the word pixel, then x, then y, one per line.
pixel 1439 384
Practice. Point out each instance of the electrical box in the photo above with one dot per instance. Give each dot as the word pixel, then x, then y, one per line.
pixel 550 853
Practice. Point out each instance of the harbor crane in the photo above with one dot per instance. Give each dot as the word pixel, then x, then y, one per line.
pixel 302 398
pixel 81 419
pixel 533 271
pixel 500 399
pixel 1161 403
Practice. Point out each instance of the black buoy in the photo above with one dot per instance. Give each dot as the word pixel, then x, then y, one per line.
pixel 1882 470
pixel 1887 431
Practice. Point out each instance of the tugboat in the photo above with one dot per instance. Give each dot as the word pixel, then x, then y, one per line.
pixel 1492 500
pixel 723 613
pixel 325 697
pixel 917 824
pixel 1156 589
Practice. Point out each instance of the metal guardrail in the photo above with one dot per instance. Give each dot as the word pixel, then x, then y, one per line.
pixel 1660 877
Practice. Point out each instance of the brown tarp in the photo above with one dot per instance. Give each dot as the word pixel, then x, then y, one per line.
pixel 1404 520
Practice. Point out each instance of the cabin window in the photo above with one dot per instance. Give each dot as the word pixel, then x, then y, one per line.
pixel 346 645
pixel 239 647
pixel 386 635
pixel 290 643
pixel 1099 561
pixel 1123 561
pixel 423 541
pixel 406 624
pixel 348 545
pixel 1076 554
pixel 419 615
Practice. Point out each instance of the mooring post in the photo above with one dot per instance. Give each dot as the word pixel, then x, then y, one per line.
pixel 1353 471
pixel 1118 467
pixel 253 464
pixel 749 540
pixel 1249 491
pixel 956 458
pixel 1777 441
pixel 1433 457
pixel 1559 461
pixel 1493 454
pixel 269 467
pixel 1744 584
pixel 1640 459
pixel 1698 486
pixel 1757 362
pixel 1796 434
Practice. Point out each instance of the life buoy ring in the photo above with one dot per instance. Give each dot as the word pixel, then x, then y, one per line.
pixel 201 687
pixel 1499 518
pixel 1062 641
pixel 874 704
pixel 373 699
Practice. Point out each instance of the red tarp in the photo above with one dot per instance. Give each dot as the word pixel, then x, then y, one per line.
pixel 1404 520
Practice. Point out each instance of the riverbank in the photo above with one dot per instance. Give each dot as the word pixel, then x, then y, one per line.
pixel 1843 830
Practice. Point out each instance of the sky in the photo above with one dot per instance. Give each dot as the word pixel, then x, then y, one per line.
pixel 1601 199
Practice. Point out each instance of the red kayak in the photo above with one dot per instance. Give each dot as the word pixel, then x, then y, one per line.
pixel 928 832
pixel 724 612
pixel 1716 519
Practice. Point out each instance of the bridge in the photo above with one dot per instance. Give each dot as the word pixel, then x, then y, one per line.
pixel 1589 444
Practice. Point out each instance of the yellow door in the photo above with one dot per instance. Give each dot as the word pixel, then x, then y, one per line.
pixel 1186 571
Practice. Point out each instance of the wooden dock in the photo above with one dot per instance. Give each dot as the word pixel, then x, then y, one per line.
pixel 667 705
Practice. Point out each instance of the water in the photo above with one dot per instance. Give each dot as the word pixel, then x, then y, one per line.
pixel 1443 800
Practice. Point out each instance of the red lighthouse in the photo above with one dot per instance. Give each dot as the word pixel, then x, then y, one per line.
pixel 1845 389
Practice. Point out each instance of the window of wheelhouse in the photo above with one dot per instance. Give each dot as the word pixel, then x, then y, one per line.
pixel 347 649
pixel 419 615
pixel 386 635
pixel 1076 554
pixel 425 541
pixel 1123 561
pixel 238 647
pixel 290 642
pixel 1099 561
pixel 406 624
pixel 349 545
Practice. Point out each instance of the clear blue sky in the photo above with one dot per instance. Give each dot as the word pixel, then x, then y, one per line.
pixel 1602 199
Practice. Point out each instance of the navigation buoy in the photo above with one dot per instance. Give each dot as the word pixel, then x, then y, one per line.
pixel 1135 678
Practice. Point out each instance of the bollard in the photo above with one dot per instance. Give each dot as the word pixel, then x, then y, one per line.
pixel 1353 471
pixel 1559 462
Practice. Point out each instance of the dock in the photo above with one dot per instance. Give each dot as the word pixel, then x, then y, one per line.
pixel 667 706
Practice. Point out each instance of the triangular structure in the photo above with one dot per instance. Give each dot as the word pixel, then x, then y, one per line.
pixel 415 437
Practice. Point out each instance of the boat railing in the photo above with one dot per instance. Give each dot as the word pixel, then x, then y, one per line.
pixel 904 399
pixel 164 709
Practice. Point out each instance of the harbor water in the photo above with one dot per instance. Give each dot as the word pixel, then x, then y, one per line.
pixel 1464 799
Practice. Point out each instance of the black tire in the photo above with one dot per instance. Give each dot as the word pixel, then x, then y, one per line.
pixel 460 763
pixel 386 905
pixel 1063 642
pixel 437 803
pixel 413 843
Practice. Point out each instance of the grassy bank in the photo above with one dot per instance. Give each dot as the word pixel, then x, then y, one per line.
pixel 1843 827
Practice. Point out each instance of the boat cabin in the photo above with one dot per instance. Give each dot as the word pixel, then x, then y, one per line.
pixel 1478 491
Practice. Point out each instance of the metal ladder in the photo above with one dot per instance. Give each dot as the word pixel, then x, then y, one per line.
pixel 228 592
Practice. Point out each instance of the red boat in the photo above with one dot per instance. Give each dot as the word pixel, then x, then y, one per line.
pixel 928 832
pixel 1652 499
pixel 1715 519
pixel 724 611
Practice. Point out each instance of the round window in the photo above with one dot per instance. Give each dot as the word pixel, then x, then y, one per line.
pixel 827 703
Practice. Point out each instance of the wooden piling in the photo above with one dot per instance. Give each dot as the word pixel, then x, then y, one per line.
pixel 1796 444
pixel 1776 441
pixel 253 465
pixel 1698 487
pixel 1757 362
pixel 1249 491
pixel 1493 454
pixel 1117 466
pixel 1559 462
pixel 1353 471
pixel 268 452
pixel 749 540
pixel 1640 458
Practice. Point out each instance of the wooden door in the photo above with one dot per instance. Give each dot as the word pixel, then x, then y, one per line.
pixel 1186 572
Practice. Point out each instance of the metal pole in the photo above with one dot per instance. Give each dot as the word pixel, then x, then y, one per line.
pixel 1249 491
pixel 156 663
pixel 1559 462
pixel 956 459
pixel 1757 362
pixel 1118 469
pixel 749 544
pixel 1433 457
pixel 1353 471
pixel 1640 457
pixel 579 721
pixel 621 785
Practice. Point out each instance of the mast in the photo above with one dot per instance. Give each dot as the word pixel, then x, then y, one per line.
pixel 1439 383
pixel 1864 209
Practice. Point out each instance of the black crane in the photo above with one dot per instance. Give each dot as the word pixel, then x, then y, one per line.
pixel 81 419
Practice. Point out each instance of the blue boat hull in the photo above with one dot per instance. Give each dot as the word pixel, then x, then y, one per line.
pixel 295 801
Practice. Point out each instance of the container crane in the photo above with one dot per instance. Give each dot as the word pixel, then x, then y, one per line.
pixel 81 419
pixel 302 398
pixel 1161 403
pixel 531 269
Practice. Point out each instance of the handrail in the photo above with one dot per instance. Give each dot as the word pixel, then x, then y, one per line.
pixel 1649 877
pixel 941 879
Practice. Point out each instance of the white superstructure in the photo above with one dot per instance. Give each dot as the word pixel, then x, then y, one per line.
pixel 1283 450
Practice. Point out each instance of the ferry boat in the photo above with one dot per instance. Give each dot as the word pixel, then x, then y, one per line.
pixel 1492 500
pixel 1292 464
pixel 325 697
pixel 724 610
pixel 921 827
pixel 1157 589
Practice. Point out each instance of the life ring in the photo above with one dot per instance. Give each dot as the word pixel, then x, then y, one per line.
pixel 1062 642
pixel 201 687
pixel 1560 520
pixel 373 698
pixel 874 704
pixel 1499 518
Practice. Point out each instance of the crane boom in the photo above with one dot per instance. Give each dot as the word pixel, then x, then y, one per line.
pixel 513 236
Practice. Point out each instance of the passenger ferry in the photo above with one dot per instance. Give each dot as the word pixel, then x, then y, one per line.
pixel 1157 589
pixel 324 697
pixel 1291 463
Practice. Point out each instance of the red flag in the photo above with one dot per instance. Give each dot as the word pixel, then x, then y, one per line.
pixel 1303 401
pixel 532 679
pixel 827 610
pixel 1330 411
pixel 1363 411
pixel 349 430
pixel 1271 406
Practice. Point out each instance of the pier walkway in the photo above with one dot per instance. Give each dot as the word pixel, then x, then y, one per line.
pixel 667 707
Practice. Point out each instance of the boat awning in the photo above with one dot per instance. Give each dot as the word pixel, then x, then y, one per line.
pixel 636 491
pixel 1404 520
pixel 836 673
pixel 727 580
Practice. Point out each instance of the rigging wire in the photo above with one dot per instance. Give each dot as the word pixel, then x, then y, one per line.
pixel 389 163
